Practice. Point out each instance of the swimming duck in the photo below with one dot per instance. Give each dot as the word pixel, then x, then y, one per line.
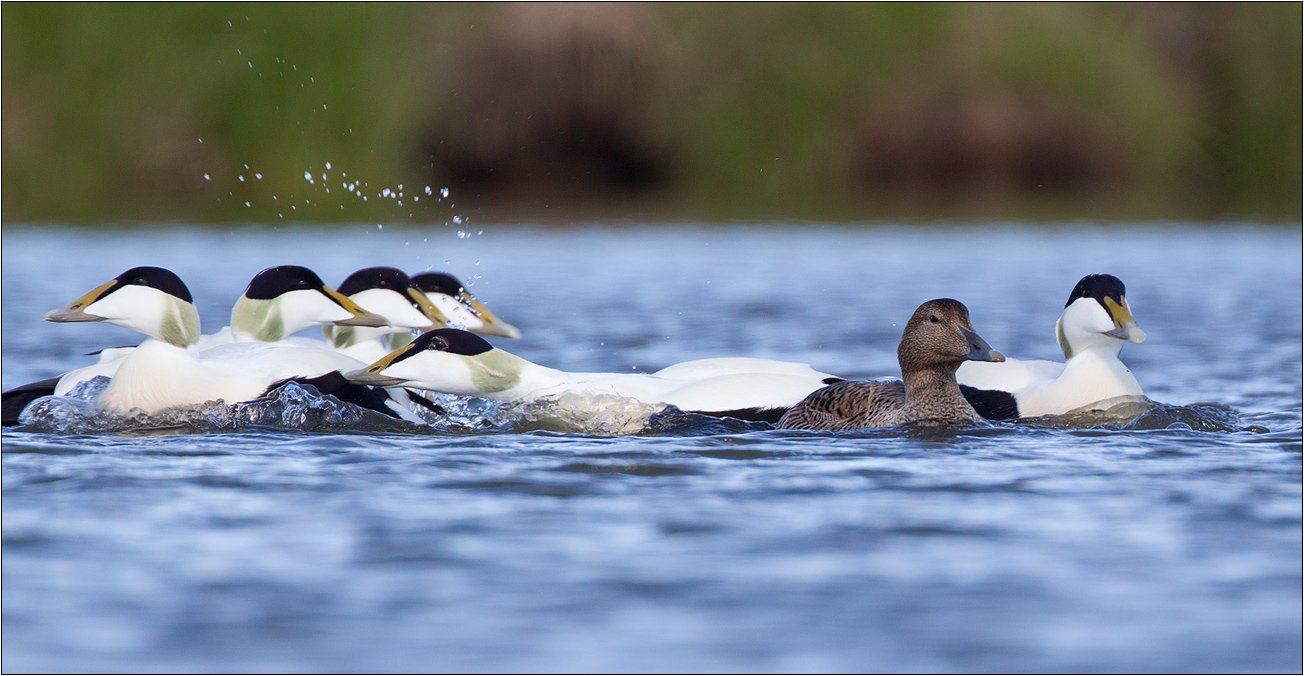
pixel 390 293
pixel 936 340
pixel 1092 330
pixel 169 369
pixel 278 302
pixel 460 309
pixel 283 300
pixel 458 362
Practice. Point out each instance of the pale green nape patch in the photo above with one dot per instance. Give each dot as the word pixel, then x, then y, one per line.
pixel 495 370
pixel 340 336
pixel 180 324
pixel 395 341
pixel 1063 339
pixel 258 319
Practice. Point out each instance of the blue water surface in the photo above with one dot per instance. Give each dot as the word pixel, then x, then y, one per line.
pixel 1164 547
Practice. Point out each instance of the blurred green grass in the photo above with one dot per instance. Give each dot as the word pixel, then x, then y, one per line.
pixel 804 110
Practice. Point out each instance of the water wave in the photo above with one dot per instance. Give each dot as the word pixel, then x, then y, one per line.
pixel 1141 413
pixel 303 408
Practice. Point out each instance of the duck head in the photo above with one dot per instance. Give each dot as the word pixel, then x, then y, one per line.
pixel 446 360
pixel 459 308
pixel 939 336
pixel 153 301
pixel 387 292
pixel 286 299
pixel 1097 316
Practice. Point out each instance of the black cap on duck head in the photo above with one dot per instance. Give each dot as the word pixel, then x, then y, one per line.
pixel 438 282
pixel 375 278
pixel 453 341
pixel 274 281
pixel 939 334
pixel 156 278
pixel 1100 287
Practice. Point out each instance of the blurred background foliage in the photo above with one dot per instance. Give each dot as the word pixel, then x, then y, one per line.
pixel 802 110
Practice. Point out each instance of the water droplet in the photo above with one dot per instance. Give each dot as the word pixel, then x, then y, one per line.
pixel 247 204
pixel 258 176
pixel 241 178
pixel 380 227
pixel 443 192
pixel 457 219
pixel 416 198
pixel 328 165
pixel 384 193
pixel 307 176
pixel 428 190
pixel 206 177
pixel 201 140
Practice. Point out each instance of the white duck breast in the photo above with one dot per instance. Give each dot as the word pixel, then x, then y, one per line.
pixel 1091 332
pixel 457 362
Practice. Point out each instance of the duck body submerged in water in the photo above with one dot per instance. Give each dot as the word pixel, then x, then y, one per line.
pixel 936 340
pixel 457 362
pixel 1092 330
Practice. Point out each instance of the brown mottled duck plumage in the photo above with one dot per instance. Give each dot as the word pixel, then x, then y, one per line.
pixel 935 341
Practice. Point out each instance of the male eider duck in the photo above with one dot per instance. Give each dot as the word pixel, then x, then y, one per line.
pixel 278 302
pixel 390 293
pixel 283 300
pixel 936 340
pixel 460 309
pixel 169 370
pixel 458 362
pixel 1092 330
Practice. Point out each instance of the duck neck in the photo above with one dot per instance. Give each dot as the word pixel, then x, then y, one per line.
pixel 1074 342
pixel 934 392
pixel 257 320
pixel 347 336
pixel 498 374
pixel 180 326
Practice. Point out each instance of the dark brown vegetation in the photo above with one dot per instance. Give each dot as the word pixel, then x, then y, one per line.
pixel 788 110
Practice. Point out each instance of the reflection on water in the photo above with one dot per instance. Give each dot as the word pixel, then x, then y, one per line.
pixel 1168 543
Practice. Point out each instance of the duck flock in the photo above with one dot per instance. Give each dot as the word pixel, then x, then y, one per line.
pixel 371 356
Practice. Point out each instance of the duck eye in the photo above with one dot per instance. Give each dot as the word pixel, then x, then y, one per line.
pixel 440 344
pixel 933 319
